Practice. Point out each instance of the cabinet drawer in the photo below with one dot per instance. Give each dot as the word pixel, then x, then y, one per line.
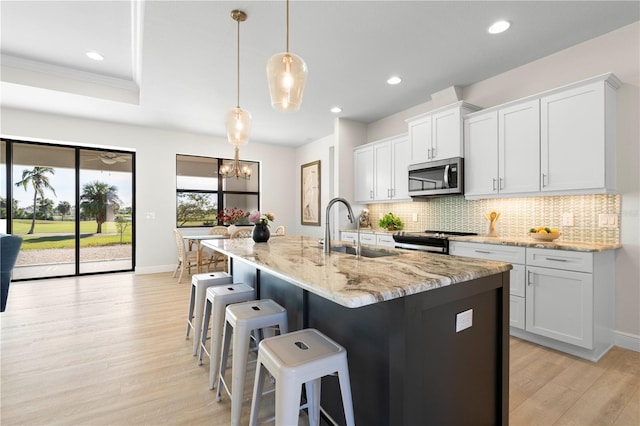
pixel 517 280
pixel 348 236
pixel 500 253
pixel 385 240
pixel 516 315
pixel 368 238
pixel 560 259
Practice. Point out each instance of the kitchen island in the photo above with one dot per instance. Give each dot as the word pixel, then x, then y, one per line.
pixel 396 316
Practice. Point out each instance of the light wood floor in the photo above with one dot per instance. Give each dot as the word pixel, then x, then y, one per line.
pixel 110 349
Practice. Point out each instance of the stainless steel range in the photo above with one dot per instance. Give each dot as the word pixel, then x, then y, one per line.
pixel 431 241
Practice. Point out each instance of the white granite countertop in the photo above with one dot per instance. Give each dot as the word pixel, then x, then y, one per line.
pixel 530 242
pixel 351 281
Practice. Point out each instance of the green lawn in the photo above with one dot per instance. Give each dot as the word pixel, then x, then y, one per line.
pixel 49 234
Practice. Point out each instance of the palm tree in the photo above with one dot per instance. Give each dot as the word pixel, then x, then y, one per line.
pixel 39 181
pixel 64 207
pixel 95 199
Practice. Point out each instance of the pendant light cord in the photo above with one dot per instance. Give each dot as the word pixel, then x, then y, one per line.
pixel 238 68
pixel 287 26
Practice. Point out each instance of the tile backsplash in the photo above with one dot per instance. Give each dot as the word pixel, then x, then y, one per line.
pixel 454 213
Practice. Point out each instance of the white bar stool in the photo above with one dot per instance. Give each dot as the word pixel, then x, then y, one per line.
pixel 241 320
pixel 299 357
pixel 199 285
pixel 217 300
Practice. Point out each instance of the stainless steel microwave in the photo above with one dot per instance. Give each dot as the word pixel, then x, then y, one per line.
pixel 442 177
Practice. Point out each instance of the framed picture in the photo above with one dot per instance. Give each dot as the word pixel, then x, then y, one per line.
pixel 310 193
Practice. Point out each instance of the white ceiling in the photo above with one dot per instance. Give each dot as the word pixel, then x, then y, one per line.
pixel 172 64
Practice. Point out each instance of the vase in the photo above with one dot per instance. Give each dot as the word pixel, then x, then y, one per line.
pixel 260 233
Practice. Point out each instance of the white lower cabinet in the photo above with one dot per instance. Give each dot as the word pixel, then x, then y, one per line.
pixel 385 240
pixel 562 299
pixel 368 238
pixel 501 253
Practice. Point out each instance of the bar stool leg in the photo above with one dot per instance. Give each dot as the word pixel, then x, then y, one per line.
pixel 228 330
pixel 192 301
pixel 239 366
pixel 287 409
pixel 313 401
pixel 205 326
pixel 216 343
pixel 258 388
pixel 345 390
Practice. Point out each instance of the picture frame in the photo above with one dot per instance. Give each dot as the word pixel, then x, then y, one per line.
pixel 310 194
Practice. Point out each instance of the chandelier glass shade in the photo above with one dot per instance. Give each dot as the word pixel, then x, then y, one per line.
pixel 235 168
pixel 287 76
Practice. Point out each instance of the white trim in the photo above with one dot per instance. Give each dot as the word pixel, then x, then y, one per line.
pixel 626 340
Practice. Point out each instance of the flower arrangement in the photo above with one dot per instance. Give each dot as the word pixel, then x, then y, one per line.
pixel 259 218
pixel 232 216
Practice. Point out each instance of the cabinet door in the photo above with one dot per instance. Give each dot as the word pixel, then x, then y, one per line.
pixel 382 171
pixel 573 139
pixel 348 236
pixel 446 134
pixel 363 174
pixel 385 240
pixel 481 154
pixel 401 159
pixel 559 305
pixel 420 139
pixel 366 238
pixel 519 148
pixel 517 312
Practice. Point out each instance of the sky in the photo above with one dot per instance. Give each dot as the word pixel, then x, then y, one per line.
pixel 64 184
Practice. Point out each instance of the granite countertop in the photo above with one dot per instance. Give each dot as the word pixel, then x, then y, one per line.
pixel 350 281
pixel 530 242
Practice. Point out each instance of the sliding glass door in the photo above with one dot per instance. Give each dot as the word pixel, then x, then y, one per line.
pixel 72 206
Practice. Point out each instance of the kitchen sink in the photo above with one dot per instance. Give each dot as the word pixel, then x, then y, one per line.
pixel 364 251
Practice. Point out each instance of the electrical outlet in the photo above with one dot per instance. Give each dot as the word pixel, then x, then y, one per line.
pixel 464 320
pixel 567 219
pixel 608 220
pixel 414 217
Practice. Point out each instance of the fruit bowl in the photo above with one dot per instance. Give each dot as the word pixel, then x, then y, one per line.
pixel 544 237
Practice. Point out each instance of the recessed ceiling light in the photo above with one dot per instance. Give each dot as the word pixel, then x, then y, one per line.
pixel 95 56
pixel 394 80
pixel 499 27
pixel 336 109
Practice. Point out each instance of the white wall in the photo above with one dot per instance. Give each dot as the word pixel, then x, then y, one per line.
pixel 155 172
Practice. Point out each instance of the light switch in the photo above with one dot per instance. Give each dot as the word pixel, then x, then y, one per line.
pixel 464 320
pixel 414 217
pixel 608 220
pixel 567 219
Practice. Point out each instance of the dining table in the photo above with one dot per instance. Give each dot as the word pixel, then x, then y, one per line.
pixel 197 240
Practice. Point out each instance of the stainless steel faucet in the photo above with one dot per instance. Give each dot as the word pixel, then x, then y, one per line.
pixel 352 218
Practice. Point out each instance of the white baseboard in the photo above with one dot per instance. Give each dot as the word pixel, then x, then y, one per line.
pixel 626 340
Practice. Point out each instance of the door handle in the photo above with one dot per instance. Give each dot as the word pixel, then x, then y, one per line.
pixel 530 278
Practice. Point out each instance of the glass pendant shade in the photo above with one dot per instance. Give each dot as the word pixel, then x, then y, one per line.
pixel 287 75
pixel 238 126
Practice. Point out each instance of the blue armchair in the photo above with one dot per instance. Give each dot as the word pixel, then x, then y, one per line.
pixel 9 249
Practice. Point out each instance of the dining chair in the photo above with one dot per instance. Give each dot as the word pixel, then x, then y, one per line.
pixel 242 232
pixel 213 257
pixel 186 258
pixel 281 230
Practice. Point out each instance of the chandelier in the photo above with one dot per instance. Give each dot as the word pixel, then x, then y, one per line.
pixel 287 75
pixel 235 168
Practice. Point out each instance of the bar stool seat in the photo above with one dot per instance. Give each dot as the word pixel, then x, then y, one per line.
pixel 241 320
pixel 299 357
pixel 218 298
pixel 199 285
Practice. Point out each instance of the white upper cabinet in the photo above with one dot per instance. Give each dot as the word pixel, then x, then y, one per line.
pixel 578 138
pixel 363 173
pixel 503 150
pixel 560 142
pixel 381 170
pixel 437 135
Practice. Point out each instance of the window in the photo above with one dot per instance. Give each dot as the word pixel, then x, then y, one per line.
pixel 201 193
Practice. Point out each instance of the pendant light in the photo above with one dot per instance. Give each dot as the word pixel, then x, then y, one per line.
pixel 287 75
pixel 238 119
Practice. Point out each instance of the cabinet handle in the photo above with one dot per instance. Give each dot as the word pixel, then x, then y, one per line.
pixel 501 186
pixel 530 278
pixel 371 194
pixel 494 184
pixel 545 180
pixel 483 251
pixel 433 153
pixel 388 192
pixel 555 259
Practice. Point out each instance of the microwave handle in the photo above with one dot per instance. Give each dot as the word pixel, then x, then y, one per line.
pixel 446 175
